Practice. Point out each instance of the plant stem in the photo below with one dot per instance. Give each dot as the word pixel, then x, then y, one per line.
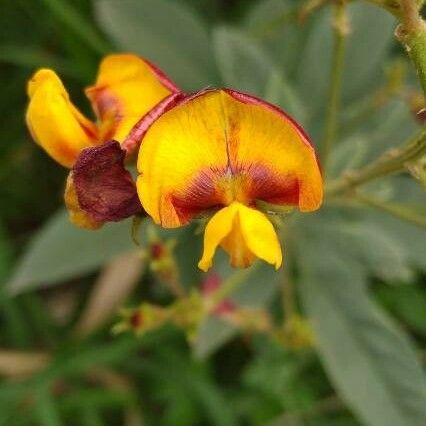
pixel 331 126
pixel 232 283
pixel 287 292
pixel 398 211
pixel 412 34
pixel 392 161
pixel 391 7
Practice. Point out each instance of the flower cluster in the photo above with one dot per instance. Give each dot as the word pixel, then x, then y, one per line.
pixel 217 153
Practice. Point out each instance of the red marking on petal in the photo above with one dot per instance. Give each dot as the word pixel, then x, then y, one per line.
pixel 66 152
pixel 105 189
pixel 199 197
pixel 268 187
pixel 214 188
pixel 139 130
pixel 108 108
pixel 165 81
pixel 134 139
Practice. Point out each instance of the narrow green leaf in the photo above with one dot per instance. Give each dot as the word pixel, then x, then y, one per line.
pixel 45 409
pixel 165 32
pixel 369 44
pixel 314 63
pixel 245 66
pixel 370 360
pixel 5 254
pixel 70 16
pixel 274 23
pixel 60 251
pixel 33 57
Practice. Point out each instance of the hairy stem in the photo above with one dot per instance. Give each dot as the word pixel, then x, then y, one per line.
pixel 392 161
pixel 390 6
pixel 412 34
pixel 232 283
pixel 288 296
pixel 401 212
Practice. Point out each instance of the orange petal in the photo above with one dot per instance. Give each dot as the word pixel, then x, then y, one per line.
pixel 184 145
pixel 127 87
pixel 244 233
pixel 261 134
pixel 222 146
pixel 54 122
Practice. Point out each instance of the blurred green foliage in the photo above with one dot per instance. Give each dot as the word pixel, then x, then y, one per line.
pixel 353 267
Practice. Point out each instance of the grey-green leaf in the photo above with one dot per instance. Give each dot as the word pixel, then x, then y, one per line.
pixel 370 360
pixel 275 25
pixel 244 65
pixel 166 32
pixel 369 44
pixel 60 251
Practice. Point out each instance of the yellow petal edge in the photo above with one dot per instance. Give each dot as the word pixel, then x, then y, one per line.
pixel 244 233
pixel 54 122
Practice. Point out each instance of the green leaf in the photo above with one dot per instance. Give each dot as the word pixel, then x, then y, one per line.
pixel 212 335
pixel 314 63
pixel 70 16
pixel 409 237
pixel 404 239
pixel 274 24
pixel 408 303
pixel 45 409
pixel 245 66
pixel 370 360
pixel 378 251
pixel 242 63
pixel 60 251
pixel 165 32
pixel 35 57
pixel 5 254
pixel 368 45
pixel 366 245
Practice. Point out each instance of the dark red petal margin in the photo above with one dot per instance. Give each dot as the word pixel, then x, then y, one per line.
pixel 132 141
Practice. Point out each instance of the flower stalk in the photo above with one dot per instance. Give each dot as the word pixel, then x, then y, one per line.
pixel 231 284
pixel 412 34
pixel 393 161
pixel 396 210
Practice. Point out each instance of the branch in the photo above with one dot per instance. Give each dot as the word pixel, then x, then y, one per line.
pixel 412 34
pixel 232 283
pixel 341 30
pixel 400 212
pixel 392 161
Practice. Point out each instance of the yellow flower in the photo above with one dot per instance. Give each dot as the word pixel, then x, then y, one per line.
pixel 127 87
pixel 222 151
